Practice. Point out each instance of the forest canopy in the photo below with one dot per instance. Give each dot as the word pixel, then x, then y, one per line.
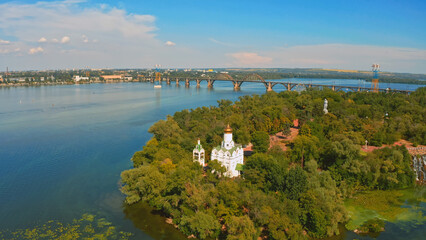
pixel 281 194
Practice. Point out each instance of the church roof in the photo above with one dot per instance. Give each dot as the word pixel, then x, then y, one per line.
pixel 239 167
pixel 198 147
pixel 218 148
pixel 228 129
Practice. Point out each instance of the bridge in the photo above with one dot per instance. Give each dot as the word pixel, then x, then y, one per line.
pixel 255 78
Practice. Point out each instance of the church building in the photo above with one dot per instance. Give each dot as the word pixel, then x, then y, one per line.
pixel 229 154
pixel 198 154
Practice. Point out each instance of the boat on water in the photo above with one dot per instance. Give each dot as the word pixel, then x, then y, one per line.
pixel 157 86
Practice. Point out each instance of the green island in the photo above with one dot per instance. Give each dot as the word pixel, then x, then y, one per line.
pixel 299 187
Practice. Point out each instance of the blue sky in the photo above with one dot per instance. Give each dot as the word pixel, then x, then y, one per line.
pixel 195 33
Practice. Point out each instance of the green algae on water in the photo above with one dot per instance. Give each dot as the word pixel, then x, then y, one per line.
pixel 87 227
pixel 398 206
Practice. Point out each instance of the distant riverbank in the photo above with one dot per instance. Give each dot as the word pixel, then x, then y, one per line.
pixel 34 84
pixel 324 81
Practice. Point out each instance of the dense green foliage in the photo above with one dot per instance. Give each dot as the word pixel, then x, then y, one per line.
pixel 280 194
pixel 373 225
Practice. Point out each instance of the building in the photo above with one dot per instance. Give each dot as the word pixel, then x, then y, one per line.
pixel 111 77
pixel 198 154
pixel 79 78
pixel 229 154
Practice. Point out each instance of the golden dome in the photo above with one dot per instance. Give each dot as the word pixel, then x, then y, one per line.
pixel 228 129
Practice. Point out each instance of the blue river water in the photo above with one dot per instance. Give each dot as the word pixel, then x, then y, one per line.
pixel 62 148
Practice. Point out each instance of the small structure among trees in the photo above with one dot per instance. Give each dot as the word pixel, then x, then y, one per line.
pixel 198 154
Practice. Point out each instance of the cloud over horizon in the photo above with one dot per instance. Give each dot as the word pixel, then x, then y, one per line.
pixel 101 34
pixel 71 34
pixel 342 56
pixel 170 43
pixel 250 59
pixel 35 50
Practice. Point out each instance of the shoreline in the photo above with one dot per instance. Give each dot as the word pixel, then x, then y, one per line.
pixel 37 84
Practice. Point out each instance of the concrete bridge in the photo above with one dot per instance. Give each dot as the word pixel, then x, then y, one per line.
pixel 255 78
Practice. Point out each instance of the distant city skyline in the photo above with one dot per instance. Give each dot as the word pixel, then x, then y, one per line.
pixel 213 34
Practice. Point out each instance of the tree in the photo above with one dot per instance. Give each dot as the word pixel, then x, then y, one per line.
pixel 295 183
pixel 339 151
pixel 260 141
pixel 304 148
pixel 201 224
pixel 241 228
pixel 143 183
pixel 305 130
pixel 166 129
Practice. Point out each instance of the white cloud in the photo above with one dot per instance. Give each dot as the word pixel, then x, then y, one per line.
pixel 98 35
pixel 250 59
pixel 84 39
pixel 35 50
pixel 65 39
pixel 170 43
pixel 4 42
pixel 9 50
pixel 343 56
pixel 347 56
pixel 221 43
pixel 114 33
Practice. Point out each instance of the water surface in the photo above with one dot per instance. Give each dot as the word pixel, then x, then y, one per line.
pixel 62 149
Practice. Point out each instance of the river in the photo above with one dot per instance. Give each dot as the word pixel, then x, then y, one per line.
pixel 62 149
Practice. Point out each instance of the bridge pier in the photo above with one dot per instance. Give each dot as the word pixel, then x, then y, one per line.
pixel 210 83
pixel 236 86
pixel 269 88
pixel 333 88
pixel 177 81
pixel 198 83
pixel 288 87
pixel 187 83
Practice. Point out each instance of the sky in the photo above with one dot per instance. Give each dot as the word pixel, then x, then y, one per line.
pixel 41 35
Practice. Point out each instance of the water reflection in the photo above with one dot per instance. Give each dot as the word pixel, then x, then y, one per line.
pixel 151 222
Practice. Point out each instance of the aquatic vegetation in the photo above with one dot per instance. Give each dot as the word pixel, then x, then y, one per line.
pixel 87 227
pixel 405 207
pixel 373 225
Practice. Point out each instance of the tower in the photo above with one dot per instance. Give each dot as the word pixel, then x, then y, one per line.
pixel 228 142
pixel 157 73
pixel 198 154
pixel 375 81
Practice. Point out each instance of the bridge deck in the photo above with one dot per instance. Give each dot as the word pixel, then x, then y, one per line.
pixel 284 83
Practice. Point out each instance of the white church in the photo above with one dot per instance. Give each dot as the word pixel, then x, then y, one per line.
pixel 229 154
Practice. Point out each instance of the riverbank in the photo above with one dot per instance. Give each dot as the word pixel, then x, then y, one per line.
pixel 36 84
